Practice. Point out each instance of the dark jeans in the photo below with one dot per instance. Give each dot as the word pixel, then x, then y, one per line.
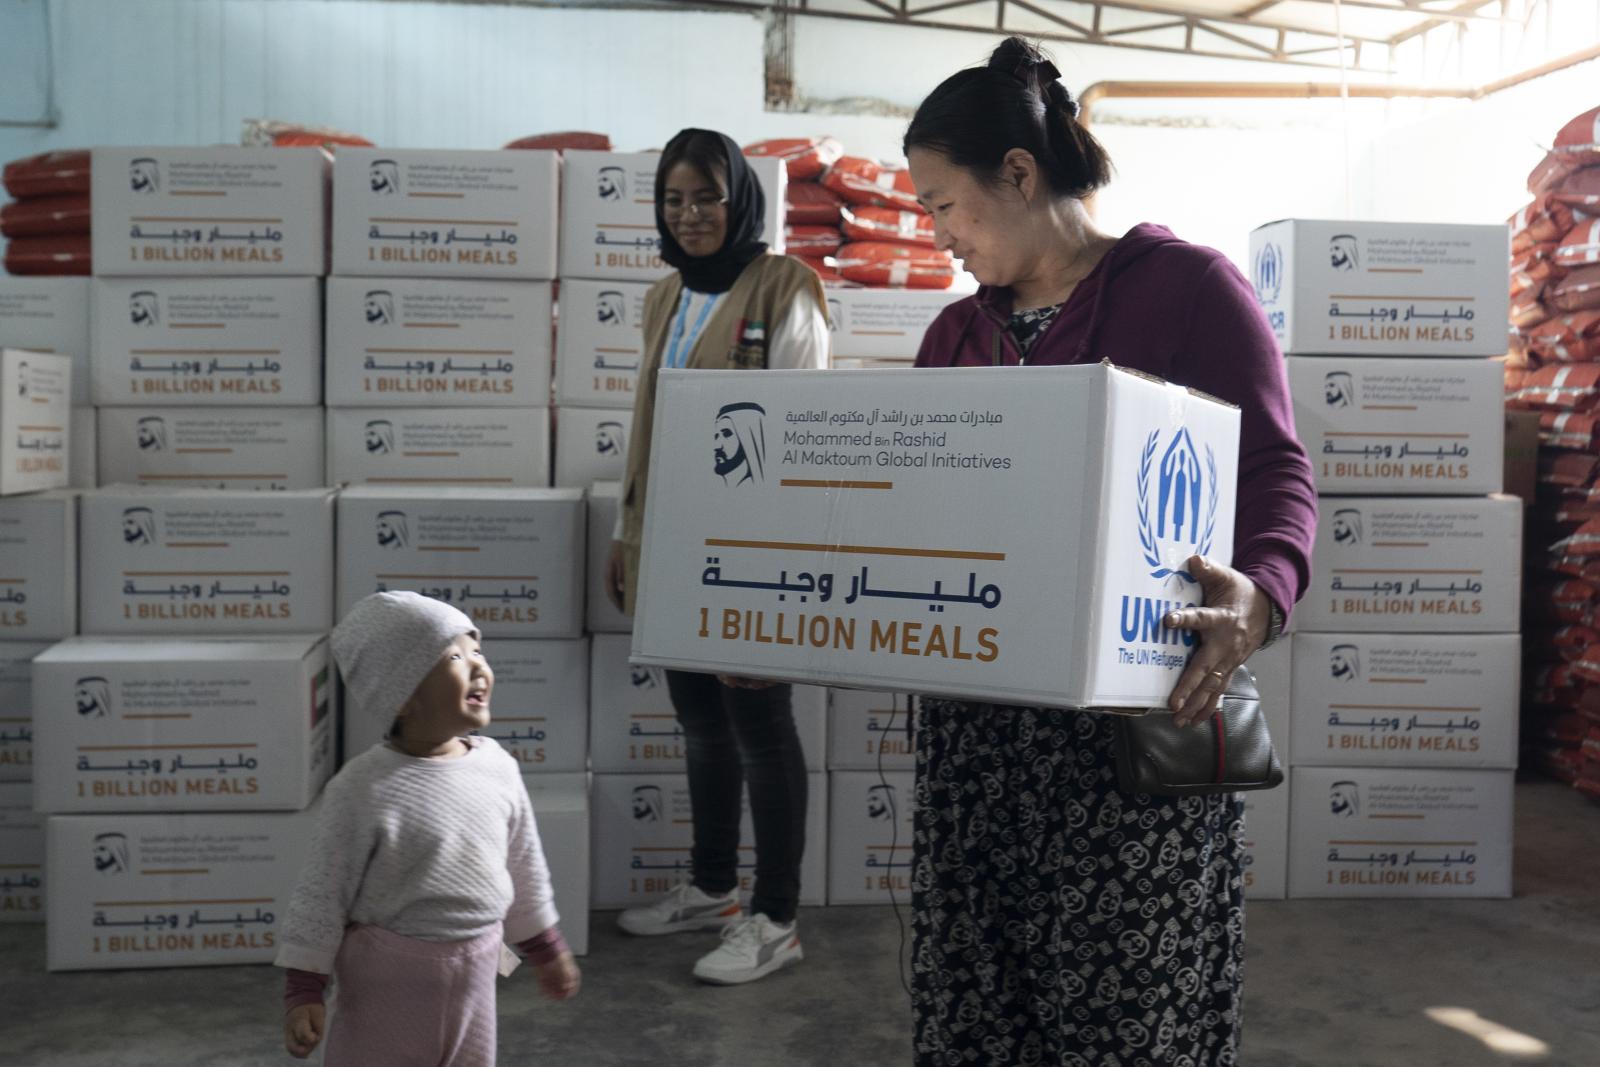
pixel 734 735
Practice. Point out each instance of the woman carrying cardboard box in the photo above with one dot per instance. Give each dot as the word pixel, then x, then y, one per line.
pixel 730 305
pixel 1058 919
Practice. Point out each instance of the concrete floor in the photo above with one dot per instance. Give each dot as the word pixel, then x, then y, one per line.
pixel 1331 984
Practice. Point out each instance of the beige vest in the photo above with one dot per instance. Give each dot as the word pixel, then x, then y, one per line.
pixel 734 338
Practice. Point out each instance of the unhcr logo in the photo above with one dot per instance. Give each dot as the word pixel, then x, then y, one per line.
pixel 1267 274
pixel 1180 527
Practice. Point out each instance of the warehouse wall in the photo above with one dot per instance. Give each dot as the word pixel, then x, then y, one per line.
pixel 477 75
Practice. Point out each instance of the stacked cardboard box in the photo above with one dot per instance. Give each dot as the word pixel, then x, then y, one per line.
pixel 206 316
pixel 51 315
pixel 439 317
pixel 1404 661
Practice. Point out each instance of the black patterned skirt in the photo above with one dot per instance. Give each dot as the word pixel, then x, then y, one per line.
pixel 1058 920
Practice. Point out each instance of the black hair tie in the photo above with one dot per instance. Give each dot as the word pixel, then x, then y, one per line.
pixel 1057 94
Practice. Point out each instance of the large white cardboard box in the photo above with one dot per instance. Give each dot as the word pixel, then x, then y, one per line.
pixel 540 703
pixel 599 343
pixel 137 891
pixel 608 217
pixel 1406 700
pixel 634 730
pixel 506 447
pixel 1266 811
pixel 191 724
pixel 539 707
pixel 49 315
pixel 83 461
pixel 16 709
pixel 603 616
pixel 445 214
pixel 1266 840
pixel 869 837
pixel 210 211
pixel 207 341
pixel 814 538
pixel 39 567
pixel 1383 288
pixel 1402 426
pixel 512 559
pixel 591 446
pixel 1388 832
pixel 868 729
pixel 212 448
pixel 883 323
pixel 207 561
pixel 643 836
pixel 35 421
pixel 432 341
pixel 22 884
pixel 1415 565
pixel 561 810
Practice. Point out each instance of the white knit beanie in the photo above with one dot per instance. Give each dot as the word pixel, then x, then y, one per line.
pixel 388 643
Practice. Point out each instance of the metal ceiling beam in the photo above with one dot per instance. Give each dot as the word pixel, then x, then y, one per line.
pixel 1073 32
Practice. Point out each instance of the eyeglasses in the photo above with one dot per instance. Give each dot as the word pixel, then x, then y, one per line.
pixel 699 207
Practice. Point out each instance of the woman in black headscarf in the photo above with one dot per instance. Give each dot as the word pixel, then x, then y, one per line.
pixel 729 305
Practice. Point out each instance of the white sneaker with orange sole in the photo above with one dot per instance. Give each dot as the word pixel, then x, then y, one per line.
pixel 685 908
pixel 751 948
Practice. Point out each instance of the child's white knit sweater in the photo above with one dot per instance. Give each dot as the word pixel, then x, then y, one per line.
pixel 435 849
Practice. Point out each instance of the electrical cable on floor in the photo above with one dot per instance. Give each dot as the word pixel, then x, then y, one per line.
pixel 894 834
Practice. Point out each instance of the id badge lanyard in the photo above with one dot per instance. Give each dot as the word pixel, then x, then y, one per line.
pixel 679 346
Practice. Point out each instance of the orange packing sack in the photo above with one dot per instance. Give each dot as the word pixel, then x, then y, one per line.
pixel 825 268
pixel 50 174
pixel 58 254
pixel 1580 189
pixel 577 140
pixel 1573 387
pixel 44 216
pixel 809 204
pixel 1581 244
pixel 1579 140
pixel 1571 338
pixel 1526 310
pixel 863 222
pixel 865 181
pixel 273 133
pixel 1576 291
pixel 1575 430
pixel 805 158
pixel 1550 172
pixel 1546 219
pixel 1535 266
pixel 811 240
pixel 885 264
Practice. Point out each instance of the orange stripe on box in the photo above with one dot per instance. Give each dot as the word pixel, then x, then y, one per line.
pixel 824 483
pixel 1402 707
pixel 475 577
pixel 457 222
pixel 447 548
pixel 438 196
pixel 1350 296
pixel 858 550
pixel 198 326
pixel 203 451
pixel 157 748
pixel 165 903
pixel 440 481
pixel 444 351
pixel 433 326
pixel 1395 570
pixel 190 218
pixel 205 351
pixel 430 453
pixel 1446 436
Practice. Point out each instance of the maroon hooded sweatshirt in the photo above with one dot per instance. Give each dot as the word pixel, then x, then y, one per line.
pixel 1184 313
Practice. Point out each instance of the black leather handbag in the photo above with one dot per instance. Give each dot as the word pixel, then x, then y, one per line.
pixel 1232 752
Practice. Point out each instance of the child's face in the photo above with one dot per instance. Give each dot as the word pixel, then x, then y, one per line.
pixel 453 698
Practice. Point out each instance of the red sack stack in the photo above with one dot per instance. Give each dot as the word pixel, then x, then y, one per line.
pixel 857 222
pixel 46 227
pixel 1554 369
